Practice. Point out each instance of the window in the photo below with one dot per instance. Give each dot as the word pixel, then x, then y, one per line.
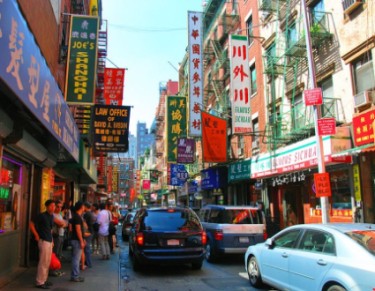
pixel 363 73
pixel 287 240
pixel 255 126
pixel 291 36
pixel 253 79
pixel 250 32
pixel 299 118
pixel 317 241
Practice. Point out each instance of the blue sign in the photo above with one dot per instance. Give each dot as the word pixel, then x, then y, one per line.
pixel 178 175
pixel 214 178
pixel 192 186
pixel 25 71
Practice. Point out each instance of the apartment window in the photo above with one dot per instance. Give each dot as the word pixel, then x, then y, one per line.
pixel 299 117
pixel 317 12
pixel 271 55
pixel 250 32
pixel 363 73
pixel 291 36
pixel 255 126
pixel 253 79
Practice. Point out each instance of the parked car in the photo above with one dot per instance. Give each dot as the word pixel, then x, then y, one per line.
pixel 329 257
pixel 231 229
pixel 127 224
pixel 123 212
pixel 167 236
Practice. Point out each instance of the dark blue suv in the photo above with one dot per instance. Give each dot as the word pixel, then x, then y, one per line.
pixel 167 236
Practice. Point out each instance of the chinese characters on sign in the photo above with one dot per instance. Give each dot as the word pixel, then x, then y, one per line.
pixel 185 150
pixel 239 170
pixel 195 72
pixel 81 68
pixel 113 86
pixel 178 175
pixel 25 71
pixel 327 126
pixel 214 138
pixel 240 84
pixel 176 124
pixel 313 96
pixel 322 185
pixel 363 128
pixel 111 128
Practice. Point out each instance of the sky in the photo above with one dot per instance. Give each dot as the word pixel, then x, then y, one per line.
pixel 149 39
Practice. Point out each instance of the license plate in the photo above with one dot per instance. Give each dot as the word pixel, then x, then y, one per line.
pixel 244 239
pixel 173 242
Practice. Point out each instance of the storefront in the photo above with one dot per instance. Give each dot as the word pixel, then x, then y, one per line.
pixel 288 174
pixel 241 189
pixel 214 182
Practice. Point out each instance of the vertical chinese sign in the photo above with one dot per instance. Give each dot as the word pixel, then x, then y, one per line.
pixel 113 86
pixel 195 72
pixel 82 55
pixel 176 124
pixel 240 84
pixel 214 138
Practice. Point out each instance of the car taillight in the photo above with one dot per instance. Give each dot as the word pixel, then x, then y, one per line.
pixel 140 239
pixel 218 235
pixel 204 238
pixel 265 235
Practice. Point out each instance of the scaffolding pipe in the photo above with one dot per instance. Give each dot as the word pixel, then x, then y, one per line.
pixel 317 108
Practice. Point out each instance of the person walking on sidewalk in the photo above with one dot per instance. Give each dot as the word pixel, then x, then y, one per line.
pixel 78 242
pixel 41 228
pixel 58 232
pixel 89 219
pixel 104 217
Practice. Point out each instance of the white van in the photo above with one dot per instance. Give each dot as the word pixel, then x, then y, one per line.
pixel 231 229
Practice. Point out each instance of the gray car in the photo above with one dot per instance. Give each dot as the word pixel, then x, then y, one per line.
pixel 327 257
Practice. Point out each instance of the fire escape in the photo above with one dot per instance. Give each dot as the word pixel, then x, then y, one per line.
pixel 285 62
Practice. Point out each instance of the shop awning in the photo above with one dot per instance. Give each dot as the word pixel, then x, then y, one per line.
pixel 356 150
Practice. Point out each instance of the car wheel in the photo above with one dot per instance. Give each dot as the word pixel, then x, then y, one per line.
pixel 336 288
pixel 197 266
pixel 210 255
pixel 253 271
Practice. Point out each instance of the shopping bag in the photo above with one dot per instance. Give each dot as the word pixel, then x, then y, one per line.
pixel 55 262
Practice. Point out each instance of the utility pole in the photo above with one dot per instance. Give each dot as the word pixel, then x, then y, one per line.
pixel 317 109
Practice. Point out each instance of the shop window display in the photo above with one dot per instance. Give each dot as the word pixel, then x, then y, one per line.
pixel 340 201
pixel 10 191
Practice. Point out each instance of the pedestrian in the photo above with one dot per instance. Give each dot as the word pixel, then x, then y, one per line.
pixel 58 232
pixel 95 241
pixel 103 221
pixel 77 241
pixel 41 228
pixel 89 219
pixel 109 207
pixel 291 217
pixel 115 219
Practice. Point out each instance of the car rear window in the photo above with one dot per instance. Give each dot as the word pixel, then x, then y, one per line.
pixel 172 221
pixel 365 238
pixel 235 216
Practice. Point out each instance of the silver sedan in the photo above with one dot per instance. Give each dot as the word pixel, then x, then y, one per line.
pixel 327 257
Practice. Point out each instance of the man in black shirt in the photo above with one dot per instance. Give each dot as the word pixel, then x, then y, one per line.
pixel 77 241
pixel 42 231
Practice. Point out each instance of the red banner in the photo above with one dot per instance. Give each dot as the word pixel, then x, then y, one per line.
pixel 146 184
pixel 214 138
pixel 113 86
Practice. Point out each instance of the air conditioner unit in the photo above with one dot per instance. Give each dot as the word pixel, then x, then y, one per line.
pixel 350 5
pixel 363 98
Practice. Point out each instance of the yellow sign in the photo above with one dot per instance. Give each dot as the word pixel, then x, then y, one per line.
pixel 356 183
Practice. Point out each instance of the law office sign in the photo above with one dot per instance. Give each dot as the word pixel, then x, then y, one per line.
pixel 82 59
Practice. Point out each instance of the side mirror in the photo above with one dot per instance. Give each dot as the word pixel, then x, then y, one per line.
pixel 269 243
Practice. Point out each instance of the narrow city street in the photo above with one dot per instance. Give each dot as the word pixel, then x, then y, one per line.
pixel 227 274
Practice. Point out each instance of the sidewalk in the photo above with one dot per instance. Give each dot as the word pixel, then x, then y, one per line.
pixel 104 275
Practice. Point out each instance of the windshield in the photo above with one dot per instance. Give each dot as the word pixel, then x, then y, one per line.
pixel 365 238
pixel 172 221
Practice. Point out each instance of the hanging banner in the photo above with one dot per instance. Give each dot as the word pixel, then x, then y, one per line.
pixel 214 138
pixel 113 86
pixel 146 184
pixel 111 128
pixel 240 84
pixel 195 36
pixel 185 150
pixel 363 128
pixel 176 124
pixel 82 59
